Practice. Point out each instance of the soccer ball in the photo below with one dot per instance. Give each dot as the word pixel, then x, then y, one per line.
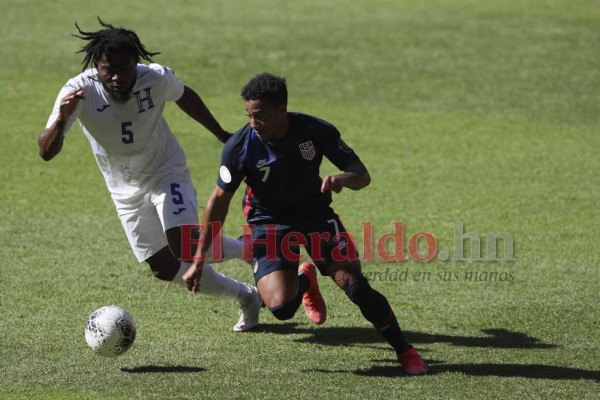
pixel 110 331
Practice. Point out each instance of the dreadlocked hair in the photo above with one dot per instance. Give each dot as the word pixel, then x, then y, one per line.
pixel 111 40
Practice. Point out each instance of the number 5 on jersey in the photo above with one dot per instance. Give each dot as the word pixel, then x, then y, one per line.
pixel 127 135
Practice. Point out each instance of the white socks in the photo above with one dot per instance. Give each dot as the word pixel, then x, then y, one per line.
pixel 215 284
pixel 230 249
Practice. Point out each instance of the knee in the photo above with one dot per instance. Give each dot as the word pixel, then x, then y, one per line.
pixel 164 275
pixel 344 274
pixel 285 311
pixel 164 268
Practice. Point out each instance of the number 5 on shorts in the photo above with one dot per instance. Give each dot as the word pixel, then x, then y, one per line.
pixel 177 196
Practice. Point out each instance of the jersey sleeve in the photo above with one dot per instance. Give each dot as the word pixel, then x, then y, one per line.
pixel 231 173
pixel 69 86
pixel 336 150
pixel 173 87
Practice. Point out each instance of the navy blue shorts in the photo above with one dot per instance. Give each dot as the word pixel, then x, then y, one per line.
pixel 277 246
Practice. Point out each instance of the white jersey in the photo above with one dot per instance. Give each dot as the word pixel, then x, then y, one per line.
pixel 131 141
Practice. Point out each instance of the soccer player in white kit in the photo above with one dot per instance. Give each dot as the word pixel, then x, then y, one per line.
pixel 119 103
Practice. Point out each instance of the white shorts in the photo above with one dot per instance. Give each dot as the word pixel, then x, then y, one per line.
pixel 169 203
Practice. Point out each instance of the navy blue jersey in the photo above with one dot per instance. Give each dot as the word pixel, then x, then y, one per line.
pixel 282 176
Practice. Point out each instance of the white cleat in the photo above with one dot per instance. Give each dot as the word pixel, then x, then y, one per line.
pixel 249 313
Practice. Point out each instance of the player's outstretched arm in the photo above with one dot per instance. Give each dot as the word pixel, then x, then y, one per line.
pixel 51 141
pixel 354 177
pixel 214 215
pixel 191 103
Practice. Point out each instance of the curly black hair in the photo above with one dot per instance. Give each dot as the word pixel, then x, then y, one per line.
pixel 266 86
pixel 111 40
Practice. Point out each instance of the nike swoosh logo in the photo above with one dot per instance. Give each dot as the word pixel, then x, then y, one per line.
pixel 182 209
pixel 104 107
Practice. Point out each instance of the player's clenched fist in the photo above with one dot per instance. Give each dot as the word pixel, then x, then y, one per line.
pixel 332 183
pixel 191 278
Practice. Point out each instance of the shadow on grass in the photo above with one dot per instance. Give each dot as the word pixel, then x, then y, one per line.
pixel 496 338
pixel 161 369
pixel 534 371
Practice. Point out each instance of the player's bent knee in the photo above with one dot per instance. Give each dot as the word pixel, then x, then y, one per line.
pixel 344 273
pixel 164 265
pixel 285 311
pixel 164 275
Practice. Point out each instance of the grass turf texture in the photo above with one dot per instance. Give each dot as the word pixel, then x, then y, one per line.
pixel 482 112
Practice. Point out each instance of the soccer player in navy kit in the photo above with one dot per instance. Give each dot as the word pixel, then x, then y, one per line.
pixel 287 204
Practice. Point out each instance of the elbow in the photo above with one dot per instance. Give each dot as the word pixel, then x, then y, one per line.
pixel 48 150
pixel 367 179
pixel 46 154
pixel 360 182
pixel 42 150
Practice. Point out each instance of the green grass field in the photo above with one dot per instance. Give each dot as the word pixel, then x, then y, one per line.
pixel 483 113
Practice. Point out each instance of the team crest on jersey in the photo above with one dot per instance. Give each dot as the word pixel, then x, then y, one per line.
pixel 307 149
